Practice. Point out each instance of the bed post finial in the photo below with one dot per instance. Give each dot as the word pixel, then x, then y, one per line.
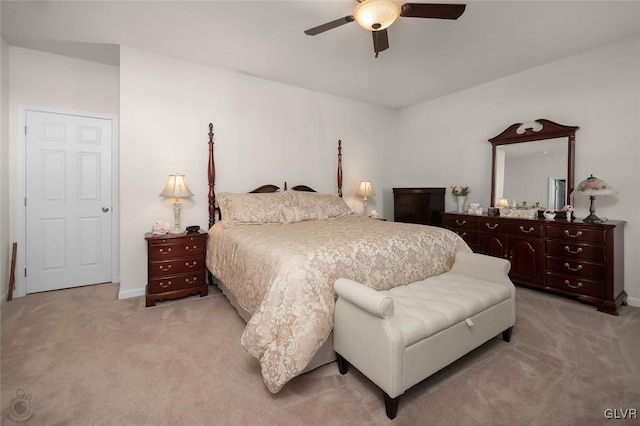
pixel 339 167
pixel 212 179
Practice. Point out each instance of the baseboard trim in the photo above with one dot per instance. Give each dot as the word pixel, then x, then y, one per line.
pixel 136 292
pixel 633 301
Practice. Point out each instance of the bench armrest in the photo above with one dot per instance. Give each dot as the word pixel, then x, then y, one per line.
pixel 367 299
pixel 482 267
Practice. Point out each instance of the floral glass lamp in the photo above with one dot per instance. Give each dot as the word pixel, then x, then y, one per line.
pixel 176 188
pixel 365 190
pixel 593 187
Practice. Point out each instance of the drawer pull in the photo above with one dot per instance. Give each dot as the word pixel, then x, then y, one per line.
pixel 462 235
pixel 163 285
pixel 577 234
pixel 491 227
pixel 460 222
pixel 192 265
pixel 568 250
pixel 190 281
pixel 579 267
pixel 163 251
pixel 164 268
pixel 573 286
pixel 192 248
pixel 526 232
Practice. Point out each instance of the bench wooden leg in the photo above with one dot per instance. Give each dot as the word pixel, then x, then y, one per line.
pixel 391 405
pixel 343 365
pixel 506 335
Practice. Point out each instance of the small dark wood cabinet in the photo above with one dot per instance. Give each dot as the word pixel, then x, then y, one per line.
pixel 572 258
pixel 176 266
pixel 418 205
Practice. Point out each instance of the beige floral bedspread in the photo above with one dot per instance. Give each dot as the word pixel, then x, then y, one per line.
pixel 284 273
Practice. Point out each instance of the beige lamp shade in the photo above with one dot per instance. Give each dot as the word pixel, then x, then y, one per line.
pixel 593 187
pixel 376 15
pixel 176 187
pixel 365 190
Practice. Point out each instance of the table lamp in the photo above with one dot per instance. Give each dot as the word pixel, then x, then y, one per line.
pixel 176 188
pixel 592 187
pixel 365 191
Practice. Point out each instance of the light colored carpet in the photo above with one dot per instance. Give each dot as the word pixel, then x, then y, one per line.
pixel 83 357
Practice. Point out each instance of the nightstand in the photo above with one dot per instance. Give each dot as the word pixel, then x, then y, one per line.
pixel 176 266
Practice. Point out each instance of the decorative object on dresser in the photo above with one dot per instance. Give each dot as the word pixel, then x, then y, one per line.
pixel 592 187
pixel 176 188
pixel 460 192
pixel 176 266
pixel 573 258
pixel 365 190
pixel 418 205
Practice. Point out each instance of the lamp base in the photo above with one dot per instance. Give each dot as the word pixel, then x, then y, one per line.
pixel 592 218
pixel 176 231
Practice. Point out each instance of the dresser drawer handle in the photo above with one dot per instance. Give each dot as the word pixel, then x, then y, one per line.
pixel 460 222
pixel 164 268
pixel 192 248
pixel 491 227
pixel 566 232
pixel 568 250
pixel 163 251
pixel 163 285
pixel 573 286
pixel 191 281
pixel 461 235
pixel 192 265
pixel 579 267
pixel 527 232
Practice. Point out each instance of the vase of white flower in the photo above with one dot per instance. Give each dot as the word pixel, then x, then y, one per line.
pixel 460 192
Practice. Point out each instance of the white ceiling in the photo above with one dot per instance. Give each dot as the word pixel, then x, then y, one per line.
pixel 427 58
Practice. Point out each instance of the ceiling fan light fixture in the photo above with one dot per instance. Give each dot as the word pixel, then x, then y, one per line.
pixel 376 15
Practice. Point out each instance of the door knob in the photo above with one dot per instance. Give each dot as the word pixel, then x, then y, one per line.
pixel 105 209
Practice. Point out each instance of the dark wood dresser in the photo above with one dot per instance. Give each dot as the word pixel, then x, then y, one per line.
pixel 176 266
pixel 418 205
pixel 573 258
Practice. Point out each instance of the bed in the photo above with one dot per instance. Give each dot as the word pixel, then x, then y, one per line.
pixel 276 254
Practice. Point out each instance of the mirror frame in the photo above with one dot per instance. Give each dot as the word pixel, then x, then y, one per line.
pixel 516 133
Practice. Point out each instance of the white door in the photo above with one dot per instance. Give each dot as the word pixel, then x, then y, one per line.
pixel 68 200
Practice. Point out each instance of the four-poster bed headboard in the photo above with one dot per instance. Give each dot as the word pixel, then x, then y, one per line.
pixel 262 189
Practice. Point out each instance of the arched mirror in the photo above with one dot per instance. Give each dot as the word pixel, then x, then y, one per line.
pixel 534 162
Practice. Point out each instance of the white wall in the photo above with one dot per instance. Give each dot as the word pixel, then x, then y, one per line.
pixel 444 141
pixel 58 82
pixel 5 241
pixel 265 132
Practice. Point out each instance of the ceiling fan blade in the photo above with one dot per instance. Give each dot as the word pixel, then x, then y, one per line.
pixel 432 10
pixel 329 26
pixel 380 41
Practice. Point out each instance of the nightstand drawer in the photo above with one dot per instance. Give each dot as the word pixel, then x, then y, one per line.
pixel 576 285
pixel 170 251
pixel 177 282
pixel 174 267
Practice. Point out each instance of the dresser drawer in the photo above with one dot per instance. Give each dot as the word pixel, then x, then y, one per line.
pixel 594 271
pixel 172 251
pixel 576 233
pixel 529 229
pixel 469 237
pixel 176 282
pixel 461 223
pixel 577 251
pixel 493 225
pixel 576 285
pixel 174 267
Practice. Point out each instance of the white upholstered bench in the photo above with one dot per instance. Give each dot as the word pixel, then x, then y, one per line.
pixel 399 337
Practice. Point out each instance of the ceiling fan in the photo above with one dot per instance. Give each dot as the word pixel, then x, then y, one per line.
pixel 377 15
